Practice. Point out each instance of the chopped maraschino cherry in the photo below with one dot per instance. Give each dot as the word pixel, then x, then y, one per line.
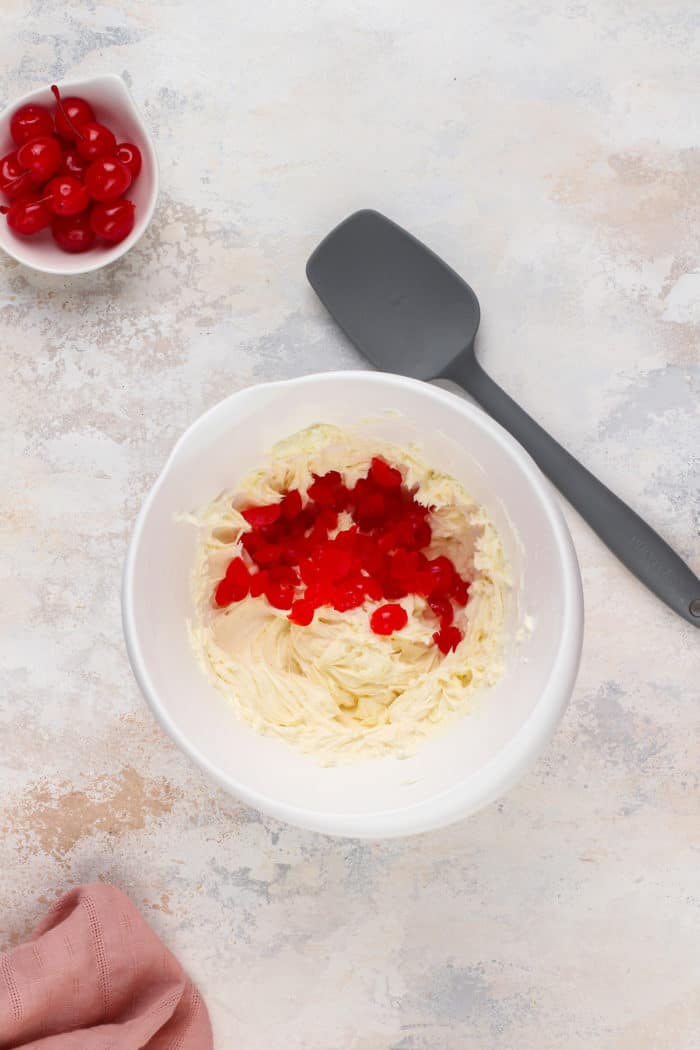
pixel 378 558
pixel 235 585
pixel 279 595
pixel 442 607
pixel 348 593
pixel 302 612
pixel 333 562
pixel 385 476
pixel 325 488
pixel 291 505
pixel 442 574
pixel 388 618
pixel 460 591
pixel 238 575
pixel 260 517
pixel 258 583
pixel 447 638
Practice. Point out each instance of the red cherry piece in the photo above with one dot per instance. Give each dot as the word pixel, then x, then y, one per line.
pixel 325 487
pixel 388 618
pixel 41 157
pixel 362 488
pixel 334 562
pixel 285 575
pixel 296 550
pixel 302 612
pixel 106 179
pixel 250 541
pixel 291 505
pixel 370 510
pixel 373 589
pixel 318 534
pixel 267 554
pixel 442 573
pixel 348 538
pixel 261 517
pixel 405 533
pixel 73 164
pixel 112 221
pixel 423 535
pixel 308 516
pixel 73 233
pixel 442 608
pixel 387 541
pixel 27 215
pixel 309 570
pixel 341 498
pixel 258 583
pixel 29 121
pixel 383 475
pixel 460 591
pixel 371 557
pixel 224 594
pixel 130 157
pixel 319 593
pixel 348 594
pixel 279 596
pixel 15 181
pixel 393 505
pixel 405 566
pixel 239 577
pixel 447 638
pixel 71 114
pixel 393 590
pixel 328 518
pixel 66 195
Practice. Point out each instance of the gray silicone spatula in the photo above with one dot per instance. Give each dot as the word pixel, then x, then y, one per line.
pixel 408 312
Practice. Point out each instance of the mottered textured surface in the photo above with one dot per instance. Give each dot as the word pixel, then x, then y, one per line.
pixel 550 153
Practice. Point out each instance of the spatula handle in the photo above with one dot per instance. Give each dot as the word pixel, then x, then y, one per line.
pixel 633 541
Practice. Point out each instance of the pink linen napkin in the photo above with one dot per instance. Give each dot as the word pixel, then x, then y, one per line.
pixel 94 976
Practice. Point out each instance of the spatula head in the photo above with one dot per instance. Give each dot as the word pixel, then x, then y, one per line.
pixel 403 307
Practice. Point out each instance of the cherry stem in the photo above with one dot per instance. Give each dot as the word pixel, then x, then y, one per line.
pixel 21 175
pixel 59 101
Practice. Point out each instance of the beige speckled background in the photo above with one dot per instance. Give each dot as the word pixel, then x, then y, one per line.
pixel 551 152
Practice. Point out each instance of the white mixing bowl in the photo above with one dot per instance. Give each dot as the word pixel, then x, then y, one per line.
pixel 456 771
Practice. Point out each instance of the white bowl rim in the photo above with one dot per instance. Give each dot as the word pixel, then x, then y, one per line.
pixel 68 87
pixel 514 758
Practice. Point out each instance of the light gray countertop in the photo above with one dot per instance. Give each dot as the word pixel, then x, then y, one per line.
pixel 550 153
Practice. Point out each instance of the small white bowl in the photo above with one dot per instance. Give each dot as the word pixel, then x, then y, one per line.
pixel 456 771
pixel 113 105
